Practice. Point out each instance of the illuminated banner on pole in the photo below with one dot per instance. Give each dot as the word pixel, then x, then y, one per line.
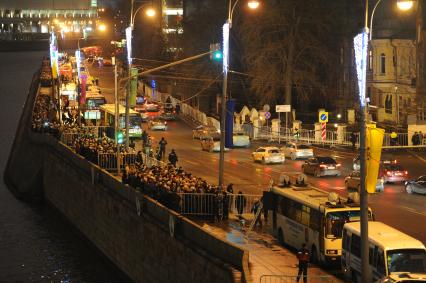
pixel 83 89
pixel 226 47
pixel 78 61
pixel 360 47
pixel 129 44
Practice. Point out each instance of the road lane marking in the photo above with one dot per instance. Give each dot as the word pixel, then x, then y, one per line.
pixel 416 155
pixel 412 210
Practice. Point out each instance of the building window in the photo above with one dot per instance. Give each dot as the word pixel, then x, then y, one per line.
pixel 383 63
pixel 388 104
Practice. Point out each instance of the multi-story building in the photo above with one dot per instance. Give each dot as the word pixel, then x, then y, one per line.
pixel 172 14
pixel 391 73
pixel 27 19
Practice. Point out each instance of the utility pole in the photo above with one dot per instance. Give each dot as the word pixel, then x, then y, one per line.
pixel 117 116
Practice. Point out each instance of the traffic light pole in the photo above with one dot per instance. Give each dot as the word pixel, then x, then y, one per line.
pixel 117 118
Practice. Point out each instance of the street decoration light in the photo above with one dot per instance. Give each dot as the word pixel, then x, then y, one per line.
pixel 361 42
pixel 102 27
pixel 226 30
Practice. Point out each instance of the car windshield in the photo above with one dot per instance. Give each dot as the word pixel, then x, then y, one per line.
pixel 302 146
pixel 336 220
pixel 274 151
pixel 407 260
pixel 326 160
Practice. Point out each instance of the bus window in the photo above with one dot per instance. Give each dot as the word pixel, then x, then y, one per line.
pixel 407 260
pixel 356 245
pixel 381 262
pixel 314 220
pixel 336 220
pixel 305 215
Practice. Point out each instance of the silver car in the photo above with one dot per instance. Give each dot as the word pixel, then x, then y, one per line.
pixel 353 182
pixel 417 186
pixel 321 166
pixel 297 150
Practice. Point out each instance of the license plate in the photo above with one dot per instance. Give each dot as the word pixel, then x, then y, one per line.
pixel 331 167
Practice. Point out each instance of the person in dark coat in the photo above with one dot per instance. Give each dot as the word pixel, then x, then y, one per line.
pixel 230 188
pixel 173 158
pixel 303 257
pixel 240 203
pixel 177 109
pixel 162 143
pixel 353 140
pixel 225 205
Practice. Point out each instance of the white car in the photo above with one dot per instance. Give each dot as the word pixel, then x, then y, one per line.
pixel 297 150
pixel 208 144
pixel 241 140
pixel 157 125
pixel 268 154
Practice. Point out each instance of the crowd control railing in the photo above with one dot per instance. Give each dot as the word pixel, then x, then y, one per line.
pixel 108 161
pixel 288 279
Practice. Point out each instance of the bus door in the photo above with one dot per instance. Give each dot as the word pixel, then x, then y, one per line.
pixel 269 205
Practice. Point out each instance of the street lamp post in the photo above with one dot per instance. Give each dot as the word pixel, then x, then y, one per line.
pixel 252 4
pixel 129 35
pixel 365 267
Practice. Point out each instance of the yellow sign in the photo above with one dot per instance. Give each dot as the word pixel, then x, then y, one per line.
pixel 374 143
pixel 323 117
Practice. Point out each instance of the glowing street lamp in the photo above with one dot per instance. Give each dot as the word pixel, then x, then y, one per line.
pixel 253 4
pixel 404 5
pixel 102 27
pixel 150 12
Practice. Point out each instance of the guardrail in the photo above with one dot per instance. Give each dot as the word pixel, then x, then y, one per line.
pixel 288 279
pixel 205 204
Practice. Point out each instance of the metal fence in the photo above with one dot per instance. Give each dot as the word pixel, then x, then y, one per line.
pixel 201 204
pixel 108 161
pixel 288 279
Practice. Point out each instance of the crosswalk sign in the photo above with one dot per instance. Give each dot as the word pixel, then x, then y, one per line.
pixel 323 117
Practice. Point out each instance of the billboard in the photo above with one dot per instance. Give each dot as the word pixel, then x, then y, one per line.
pixel 47 4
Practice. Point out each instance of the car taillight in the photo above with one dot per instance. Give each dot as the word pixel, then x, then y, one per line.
pixel 338 165
pixel 405 173
pixel 323 166
pixel 389 173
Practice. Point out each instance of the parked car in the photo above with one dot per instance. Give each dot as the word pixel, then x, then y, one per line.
pixel 208 144
pixel 353 182
pixel 157 125
pixel 417 186
pixel 268 154
pixel 393 173
pixel 240 139
pixel 321 166
pixel 205 131
pixel 296 150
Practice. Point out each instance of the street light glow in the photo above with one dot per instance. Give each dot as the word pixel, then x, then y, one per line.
pixel 405 5
pixel 253 4
pixel 150 12
pixel 102 27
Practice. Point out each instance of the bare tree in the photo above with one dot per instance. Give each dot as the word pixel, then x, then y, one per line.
pixel 287 48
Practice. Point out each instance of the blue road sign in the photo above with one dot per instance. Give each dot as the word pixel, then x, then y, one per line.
pixel 323 117
pixel 267 115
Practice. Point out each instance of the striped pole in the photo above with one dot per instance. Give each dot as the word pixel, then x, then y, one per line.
pixel 323 131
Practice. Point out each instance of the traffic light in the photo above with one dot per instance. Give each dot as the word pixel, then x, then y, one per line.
pixel 374 143
pixel 215 52
pixel 120 138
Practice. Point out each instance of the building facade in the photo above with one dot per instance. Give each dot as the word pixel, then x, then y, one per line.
pixel 392 80
pixel 26 19
pixel 172 15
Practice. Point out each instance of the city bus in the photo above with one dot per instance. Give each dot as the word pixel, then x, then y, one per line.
pixel 93 102
pixel 311 216
pixel 390 252
pixel 107 112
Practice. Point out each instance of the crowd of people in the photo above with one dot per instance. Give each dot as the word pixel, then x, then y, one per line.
pixel 418 138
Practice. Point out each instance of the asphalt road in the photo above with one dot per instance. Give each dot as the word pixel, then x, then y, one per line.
pixel 393 206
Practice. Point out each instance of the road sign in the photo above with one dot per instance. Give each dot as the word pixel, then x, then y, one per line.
pixel 267 115
pixel 323 131
pixel 282 108
pixel 266 107
pixel 323 117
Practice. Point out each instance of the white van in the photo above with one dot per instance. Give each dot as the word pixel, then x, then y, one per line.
pixel 390 251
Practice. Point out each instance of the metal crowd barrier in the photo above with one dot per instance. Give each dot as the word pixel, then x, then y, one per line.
pixel 108 161
pixel 69 138
pixel 199 204
pixel 288 279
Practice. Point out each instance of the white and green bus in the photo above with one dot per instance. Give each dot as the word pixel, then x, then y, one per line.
pixel 93 104
pixel 311 216
pixel 108 119
pixel 390 252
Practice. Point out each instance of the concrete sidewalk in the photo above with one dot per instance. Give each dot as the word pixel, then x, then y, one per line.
pixel 266 255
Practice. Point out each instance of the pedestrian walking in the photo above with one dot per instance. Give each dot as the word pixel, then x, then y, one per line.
pixel 173 158
pixel 353 140
pixel 162 143
pixel 254 210
pixel 303 257
pixel 421 137
pixel 240 203
pixel 296 134
pixel 177 109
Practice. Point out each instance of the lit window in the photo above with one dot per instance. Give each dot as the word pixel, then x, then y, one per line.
pixel 383 63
